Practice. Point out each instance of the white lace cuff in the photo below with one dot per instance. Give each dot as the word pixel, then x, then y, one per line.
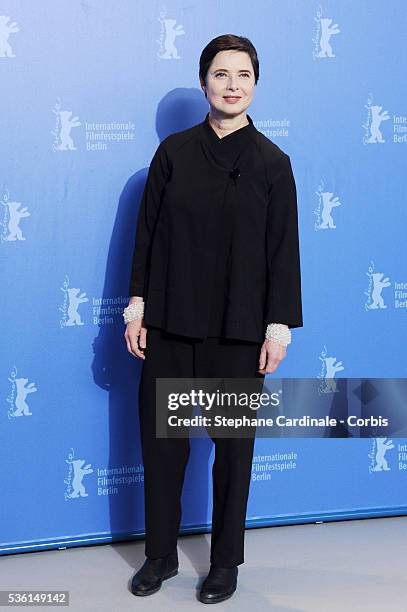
pixel 278 332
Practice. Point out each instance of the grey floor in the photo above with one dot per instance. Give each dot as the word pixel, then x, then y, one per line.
pixel 356 566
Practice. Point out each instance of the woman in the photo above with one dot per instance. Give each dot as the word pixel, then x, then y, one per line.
pixel 215 288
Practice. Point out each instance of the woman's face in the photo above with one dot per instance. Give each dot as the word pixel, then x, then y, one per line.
pixel 230 82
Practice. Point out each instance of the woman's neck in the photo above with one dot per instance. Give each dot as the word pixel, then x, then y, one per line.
pixel 226 125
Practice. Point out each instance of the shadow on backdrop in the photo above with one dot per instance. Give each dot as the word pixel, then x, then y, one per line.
pixel 118 372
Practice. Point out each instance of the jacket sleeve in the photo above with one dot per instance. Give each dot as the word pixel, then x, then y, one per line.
pixel 283 295
pixel 157 177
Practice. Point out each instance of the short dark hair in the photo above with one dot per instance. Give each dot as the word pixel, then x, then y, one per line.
pixel 226 42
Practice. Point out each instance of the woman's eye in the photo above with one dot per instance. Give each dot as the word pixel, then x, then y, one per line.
pixel 224 73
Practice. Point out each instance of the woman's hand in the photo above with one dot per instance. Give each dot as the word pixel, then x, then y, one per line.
pixel 136 338
pixel 270 356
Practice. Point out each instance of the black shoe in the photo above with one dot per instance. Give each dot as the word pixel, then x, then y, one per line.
pixel 150 576
pixel 220 584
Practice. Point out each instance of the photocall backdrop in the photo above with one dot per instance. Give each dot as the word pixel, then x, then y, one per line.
pixel 88 90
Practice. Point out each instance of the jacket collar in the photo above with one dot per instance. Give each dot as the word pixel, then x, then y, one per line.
pixel 234 138
pixel 227 151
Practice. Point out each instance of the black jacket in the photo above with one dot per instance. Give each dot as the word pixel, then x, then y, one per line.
pixel 216 246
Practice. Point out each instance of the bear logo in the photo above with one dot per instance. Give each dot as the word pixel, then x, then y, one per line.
pixel 328 203
pixel 74 300
pixel 22 392
pixel 377 116
pixel 15 214
pixel 78 473
pixel 326 32
pixel 171 33
pixel 331 368
pixel 66 125
pixel 382 447
pixel 378 285
pixel 6 29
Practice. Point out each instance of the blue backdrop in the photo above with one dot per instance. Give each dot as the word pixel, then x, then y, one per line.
pixel 88 90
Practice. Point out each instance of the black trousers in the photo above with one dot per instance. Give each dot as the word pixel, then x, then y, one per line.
pixel 165 459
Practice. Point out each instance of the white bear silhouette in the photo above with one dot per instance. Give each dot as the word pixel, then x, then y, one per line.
pixel 16 213
pixel 65 130
pixel 6 29
pixel 22 392
pixel 78 473
pixel 328 203
pixel 377 118
pixel 378 285
pixel 382 447
pixel 326 32
pixel 332 366
pixel 171 34
pixel 74 301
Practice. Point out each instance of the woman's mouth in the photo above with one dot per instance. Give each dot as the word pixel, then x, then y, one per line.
pixel 231 99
